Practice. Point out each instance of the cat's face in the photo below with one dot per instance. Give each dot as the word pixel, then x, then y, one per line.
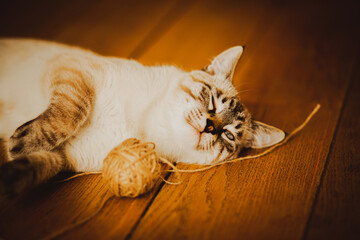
pixel 222 125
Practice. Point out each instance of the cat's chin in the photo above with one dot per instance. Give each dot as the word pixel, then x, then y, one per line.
pixel 198 157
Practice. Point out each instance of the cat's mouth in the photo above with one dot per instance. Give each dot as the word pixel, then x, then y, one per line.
pixel 198 135
pixel 196 130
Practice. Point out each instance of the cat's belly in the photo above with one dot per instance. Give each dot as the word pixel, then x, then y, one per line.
pixel 106 129
pixel 87 151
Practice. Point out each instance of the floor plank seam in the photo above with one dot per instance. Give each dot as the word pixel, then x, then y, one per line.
pixel 313 206
pixel 133 229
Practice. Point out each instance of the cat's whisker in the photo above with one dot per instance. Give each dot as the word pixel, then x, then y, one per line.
pixel 239 85
pixel 245 90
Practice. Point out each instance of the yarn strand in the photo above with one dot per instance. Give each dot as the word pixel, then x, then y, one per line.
pixel 164 160
pixel 78 175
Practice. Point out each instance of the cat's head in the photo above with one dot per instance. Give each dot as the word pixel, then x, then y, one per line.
pixel 221 123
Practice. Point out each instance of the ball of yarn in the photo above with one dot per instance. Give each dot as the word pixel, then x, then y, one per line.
pixel 132 168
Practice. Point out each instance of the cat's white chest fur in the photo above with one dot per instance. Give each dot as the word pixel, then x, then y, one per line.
pixel 134 101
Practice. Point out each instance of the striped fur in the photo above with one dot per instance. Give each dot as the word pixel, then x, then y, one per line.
pixel 72 97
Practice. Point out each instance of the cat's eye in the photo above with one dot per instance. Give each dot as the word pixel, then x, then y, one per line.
pixel 229 135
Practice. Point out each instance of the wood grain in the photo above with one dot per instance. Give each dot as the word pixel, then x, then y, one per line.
pixel 299 60
pixel 39 18
pixel 119 28
pixel 108 27
pixel 337 210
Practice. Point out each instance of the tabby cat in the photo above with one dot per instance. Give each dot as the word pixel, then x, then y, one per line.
pixel 65 108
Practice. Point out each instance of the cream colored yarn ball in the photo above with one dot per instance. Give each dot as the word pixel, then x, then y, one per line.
pixel 132 168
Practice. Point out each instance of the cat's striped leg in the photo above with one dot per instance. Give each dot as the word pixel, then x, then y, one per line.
pixel 28 171
pixel 71 103
pixel 4 156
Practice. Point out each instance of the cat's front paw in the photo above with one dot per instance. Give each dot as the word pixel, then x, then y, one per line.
pixel 19 141
pixel 15 177
pixel 29 137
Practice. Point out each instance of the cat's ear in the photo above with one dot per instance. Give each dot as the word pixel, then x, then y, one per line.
pixel 266 135
pixel 224 64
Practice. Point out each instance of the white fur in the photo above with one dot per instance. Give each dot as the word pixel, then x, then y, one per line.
pixel 131 101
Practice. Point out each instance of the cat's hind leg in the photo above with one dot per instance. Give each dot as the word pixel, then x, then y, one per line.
pixel 71 102
pixel 28 171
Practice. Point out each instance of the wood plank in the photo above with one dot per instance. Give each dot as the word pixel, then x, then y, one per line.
pixel 299 58
pixel 337 210
pixel 54 206
pixel 38 18
pixel 122 26
pixel 108 27
pixel 116 27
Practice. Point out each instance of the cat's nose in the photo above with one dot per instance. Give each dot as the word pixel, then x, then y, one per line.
pixel 210 127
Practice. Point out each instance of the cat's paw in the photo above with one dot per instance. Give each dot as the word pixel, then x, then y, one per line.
pixel 29 137
pixel 16 177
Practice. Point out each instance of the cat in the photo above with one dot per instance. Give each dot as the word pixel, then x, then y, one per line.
pixel 66 108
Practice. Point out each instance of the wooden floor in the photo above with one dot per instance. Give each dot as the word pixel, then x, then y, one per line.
pixel 297 55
